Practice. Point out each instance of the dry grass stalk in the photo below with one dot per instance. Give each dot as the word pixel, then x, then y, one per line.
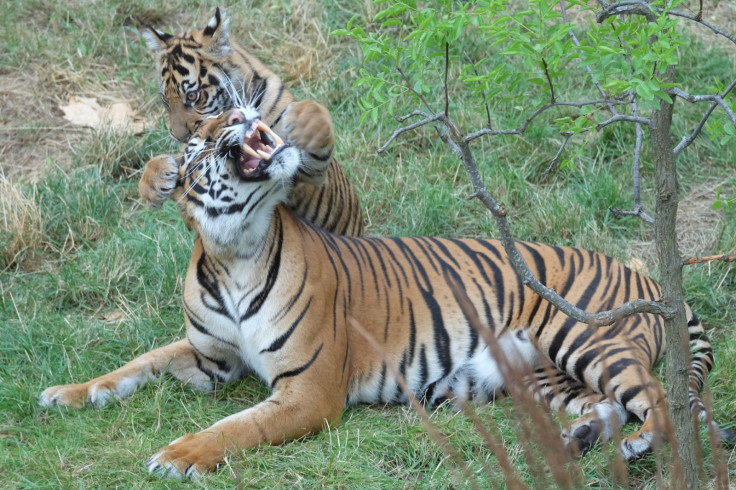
pixel 537 427
pixel 438 438
pixel 22 224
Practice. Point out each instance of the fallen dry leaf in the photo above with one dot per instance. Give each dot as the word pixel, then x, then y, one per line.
pixel 86 111
pixel 82 111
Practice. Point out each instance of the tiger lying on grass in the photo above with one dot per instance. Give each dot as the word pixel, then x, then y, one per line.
pixel 204 73
pixel 270 293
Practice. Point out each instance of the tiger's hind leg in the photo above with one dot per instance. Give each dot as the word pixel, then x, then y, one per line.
pixel 600 417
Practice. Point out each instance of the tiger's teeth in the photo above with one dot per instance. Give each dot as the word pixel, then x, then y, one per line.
pixel 262 127
pixel 250 151
pixel 263 155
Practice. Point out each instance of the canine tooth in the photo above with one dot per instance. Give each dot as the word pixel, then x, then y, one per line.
pixel 262 126
pixel 264 155
pixel 250 151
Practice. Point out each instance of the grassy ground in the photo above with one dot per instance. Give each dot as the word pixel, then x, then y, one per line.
pixel 89 278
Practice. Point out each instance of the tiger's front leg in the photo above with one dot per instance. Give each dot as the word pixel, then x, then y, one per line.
pixel 178 359
pixel 159 179
pixel 294 410
pixel 308 126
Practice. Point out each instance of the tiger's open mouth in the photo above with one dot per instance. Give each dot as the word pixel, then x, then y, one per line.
pixel 259 145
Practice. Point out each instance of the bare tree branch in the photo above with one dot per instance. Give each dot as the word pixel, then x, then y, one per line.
pixel 687 140
pixel 628 7
pixel 482 92
pixel 611 107
pixel 638 212
pixel 729 257
pixel 716 98
pixel 447 69
pixel 523 127
pixel 698 19
pixel 640 7
pixel 623 118
pixel 409 86
pixel 404 129
pixel 549 81
pixel 412 114
pixel 638 208
pixel 459 144
pixel 553 163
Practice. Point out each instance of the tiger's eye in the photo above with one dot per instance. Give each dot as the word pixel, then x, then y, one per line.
pixel 192 96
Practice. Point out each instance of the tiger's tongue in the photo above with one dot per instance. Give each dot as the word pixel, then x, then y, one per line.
pixel 247 161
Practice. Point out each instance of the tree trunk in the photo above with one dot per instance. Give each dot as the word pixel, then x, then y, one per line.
pixel 678 352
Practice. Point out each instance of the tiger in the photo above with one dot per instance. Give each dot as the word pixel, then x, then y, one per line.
pixel 328 321
pixel 203 72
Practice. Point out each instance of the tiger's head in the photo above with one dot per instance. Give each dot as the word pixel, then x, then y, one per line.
pixel 194 69
pixel 232 175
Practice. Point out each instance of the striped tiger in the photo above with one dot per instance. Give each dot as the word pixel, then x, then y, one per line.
pixel 204 72
pixel 268 292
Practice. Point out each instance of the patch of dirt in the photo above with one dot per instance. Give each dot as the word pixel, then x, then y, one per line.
pixel 698 228
pixel 32 129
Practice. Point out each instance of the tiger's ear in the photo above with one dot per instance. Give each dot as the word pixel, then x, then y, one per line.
pixel 216 36
pixel 155 39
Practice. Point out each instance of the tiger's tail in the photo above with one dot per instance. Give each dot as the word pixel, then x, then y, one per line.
pixel 701 363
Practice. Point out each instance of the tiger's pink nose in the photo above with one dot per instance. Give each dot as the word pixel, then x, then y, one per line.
pixel 235 117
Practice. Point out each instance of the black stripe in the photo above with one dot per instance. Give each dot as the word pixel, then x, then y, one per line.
pixel 280 341
pixel 273 273
pixel 297 371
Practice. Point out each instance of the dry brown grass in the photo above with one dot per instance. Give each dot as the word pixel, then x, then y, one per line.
pixel 21 223
pixel 698 228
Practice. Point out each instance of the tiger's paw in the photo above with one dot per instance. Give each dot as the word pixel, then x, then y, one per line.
pixel 159 180
pixel 308 126
pixel 189 457
pixel 581 436
pixel 97 393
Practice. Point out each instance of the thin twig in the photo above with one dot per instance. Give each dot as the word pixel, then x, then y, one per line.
pixel 638 208
pixel 716 98
pixel 623 118
pixel 553 163
pixel 416 113
pixel 411 89
pixel 575 41
pixel 687 140
pixel 640 7
pixel 729 257
pixel 404 129
pixel 447 69
pixel 482 92
pixel 549 80
pixel 525 125
pixel 638 212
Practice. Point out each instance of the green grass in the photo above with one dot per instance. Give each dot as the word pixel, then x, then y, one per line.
pixel 103 284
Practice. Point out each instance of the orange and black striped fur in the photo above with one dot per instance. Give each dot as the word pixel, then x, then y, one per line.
pixel 270 293
pixel 204 73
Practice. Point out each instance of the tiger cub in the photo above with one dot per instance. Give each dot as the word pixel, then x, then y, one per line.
pixel 328 320
pixel 204 72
